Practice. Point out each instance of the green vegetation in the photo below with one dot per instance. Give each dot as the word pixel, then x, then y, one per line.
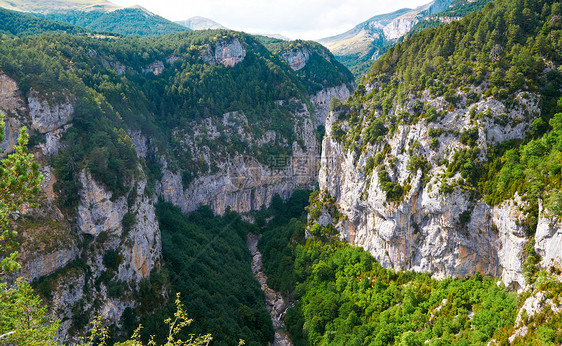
pixel 342 295
pixel 458 8
pixel 126 21
pixel 107 82
pixel 503 49
pixel 14 23
pixel 209 263
pixel 322 69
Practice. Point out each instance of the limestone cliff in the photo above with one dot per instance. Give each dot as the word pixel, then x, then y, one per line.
pixel 227 52
pixel 447 232
pixel 236 178
pixel 89 263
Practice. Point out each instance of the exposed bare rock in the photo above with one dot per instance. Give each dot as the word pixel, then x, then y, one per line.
pixel 548 240
pixel 234 179
pixel 447 234
pixel 11 104
pixel 297 58
pixel 10 99
pixel 46 117
pixel 156 68
pixel 275 303
pixel 227 52
pixel 321 101
pixel 96 212
pixel 508 220
pixel 140 143
pixel 532 306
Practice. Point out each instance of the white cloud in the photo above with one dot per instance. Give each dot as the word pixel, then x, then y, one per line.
pixel 307 19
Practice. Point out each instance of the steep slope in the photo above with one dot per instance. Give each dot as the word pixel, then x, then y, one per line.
pixel 210 118
pixel 431 165
pixel 98 15
pixel 133 21
pixel 200 23
pixel 358 48
pixel 15 23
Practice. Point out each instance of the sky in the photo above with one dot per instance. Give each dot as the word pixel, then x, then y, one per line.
pixel 305 19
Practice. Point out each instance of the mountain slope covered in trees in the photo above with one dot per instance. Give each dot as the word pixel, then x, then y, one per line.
pixel 358 48
pixel 133 21
pixel 118 122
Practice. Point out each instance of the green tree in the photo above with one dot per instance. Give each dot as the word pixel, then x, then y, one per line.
pixel 20 179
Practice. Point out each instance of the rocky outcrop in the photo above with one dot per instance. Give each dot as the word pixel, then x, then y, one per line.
pixel 11 105
pixel 48 116
pixel 429 230
pixel 10 98
pixel 297 58
pixel 232 178
pixel 321 101
pixel 65 251
pixel 400 26
pixel 98 212
pixel 548 240
pixel 156 68
pixel 227 52
pixel 533 305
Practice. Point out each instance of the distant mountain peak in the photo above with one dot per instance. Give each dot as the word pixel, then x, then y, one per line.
pixel 48 6
pixel 200 23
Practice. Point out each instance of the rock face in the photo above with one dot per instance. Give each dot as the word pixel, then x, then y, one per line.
pixel 533 305
pixel 227 52
pixel 400 26
pixel 548 240
pixel 322 99
pixel 297 58
pixel 156 68
pixel 46 117
pixel 241 182
pixel 81 278
pixel 447 234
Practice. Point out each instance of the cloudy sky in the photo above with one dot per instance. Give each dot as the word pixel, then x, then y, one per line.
pixel 307 19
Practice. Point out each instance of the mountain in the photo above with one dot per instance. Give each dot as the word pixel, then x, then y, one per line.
pixel 178 176
pixel 98 15
pixel 130 21
pixel 359 47
pixel 203 118
pixel 275 36
pixel 200 23
pixel 16 23
pixel 47 6
pixel 443 162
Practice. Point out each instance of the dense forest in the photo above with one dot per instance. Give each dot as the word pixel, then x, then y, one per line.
pixel 322 66
pixel 208 262
pixel 343 296
pixel 126 21
pixel 14 23
pixel 338 293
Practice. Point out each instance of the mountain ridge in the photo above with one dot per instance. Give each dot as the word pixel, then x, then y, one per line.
pixel 200 23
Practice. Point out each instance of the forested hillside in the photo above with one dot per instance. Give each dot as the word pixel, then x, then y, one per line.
pixel 119 123
pixel 14 23
pixel 360 47
pixel 134 21
pixel 342 295
pixel 445 161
